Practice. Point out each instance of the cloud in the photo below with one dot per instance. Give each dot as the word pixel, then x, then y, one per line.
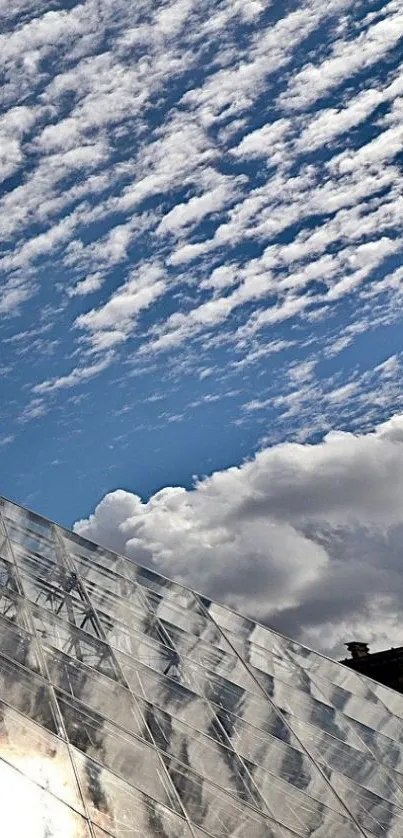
pixel 77 376
pixel 304 537
pixel 350 57
pixel 248 151
pixel 113 322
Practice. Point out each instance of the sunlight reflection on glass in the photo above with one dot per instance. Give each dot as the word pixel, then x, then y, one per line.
pixel 28 810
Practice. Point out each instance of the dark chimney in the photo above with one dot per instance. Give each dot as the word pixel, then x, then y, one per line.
pixel 357 650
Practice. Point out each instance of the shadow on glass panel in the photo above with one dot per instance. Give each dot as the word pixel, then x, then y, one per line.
pixel 384 749
pixel 131 758
pixel 27 693
pixel 209 755
pixel 8 577
pixel 216 812
pixel 371 811
pixel 123 811
pixel 18 644
pixel 108 698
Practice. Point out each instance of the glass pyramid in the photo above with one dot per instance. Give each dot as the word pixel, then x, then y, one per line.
pixel 135 708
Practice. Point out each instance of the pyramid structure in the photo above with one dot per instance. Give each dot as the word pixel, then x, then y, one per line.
pixel 133 707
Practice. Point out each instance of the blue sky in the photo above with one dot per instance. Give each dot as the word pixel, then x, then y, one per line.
pixel 200 237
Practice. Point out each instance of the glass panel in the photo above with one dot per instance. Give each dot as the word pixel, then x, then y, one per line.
pixel 392 700
pixel 308 709
pixel 207 757
pixel 31 540
pixel 224 817
pixel 58 601
pixel 286 762
pixel 105 580
pixel 28 810
pixel 38 566
pixel 169 696
pixel 39 755
pixel 7 572
pixel 121 809
pixel 27 693
pixel 300 811
pixel 98 692
pixel 23 517
pixel 134 760
pixel 256 712
pixel 73 641
pixel 190 619
pixel 166 588
pixel 371 811
pixel 362 767
pixel 128 608
pixel 18 644
pixel 12 608
pixel 256 829
pixel 390 753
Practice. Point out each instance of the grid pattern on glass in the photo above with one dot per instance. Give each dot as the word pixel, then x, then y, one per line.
pixel 130 705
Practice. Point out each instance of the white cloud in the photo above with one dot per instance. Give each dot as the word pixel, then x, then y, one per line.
pixel 77 376
pixel 153 134
pixel 348 58
pixel 113 322
pixel 303 536
pixel 89 285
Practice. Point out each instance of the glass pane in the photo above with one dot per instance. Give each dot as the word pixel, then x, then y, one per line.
pixel 169 696
pixel 7 572
pixel 362 767
pixel 27 693
pixel 208 757
pixel 372 812
pixel 98 692
pixel 391 699
pixel 121 809
pixel 73 641
pixel 31 540
pixel 28 810
pixel 129 757
pixel 39 755
pixel 215 811
pixel 308 709
pixel 105 580
pixel 387 751
pixel 18 644
pixel 152 581
pixel 12 608
pixel 23 517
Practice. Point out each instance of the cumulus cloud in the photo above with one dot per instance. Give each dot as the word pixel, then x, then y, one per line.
pixel 303 537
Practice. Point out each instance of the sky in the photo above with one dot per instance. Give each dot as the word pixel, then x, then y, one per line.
pixel 201 212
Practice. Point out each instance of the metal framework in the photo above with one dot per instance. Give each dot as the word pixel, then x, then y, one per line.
pixel 133 707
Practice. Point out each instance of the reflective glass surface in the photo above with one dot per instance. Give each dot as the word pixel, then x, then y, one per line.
pixel 131 706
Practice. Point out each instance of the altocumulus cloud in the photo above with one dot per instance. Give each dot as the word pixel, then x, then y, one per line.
pixel 305 537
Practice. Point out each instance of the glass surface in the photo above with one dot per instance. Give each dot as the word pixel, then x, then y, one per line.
pixel 95 691
pixel 29 810
pixel 39 755
pixel 18 644
pixel 27 693
pixel 121 809
pixel 156 713
pixel 7 572
pixel 126 755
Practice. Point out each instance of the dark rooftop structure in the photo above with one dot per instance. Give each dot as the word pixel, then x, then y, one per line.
pixel 385 667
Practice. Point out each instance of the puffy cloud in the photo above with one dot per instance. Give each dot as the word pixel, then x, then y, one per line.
pixel 305 537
